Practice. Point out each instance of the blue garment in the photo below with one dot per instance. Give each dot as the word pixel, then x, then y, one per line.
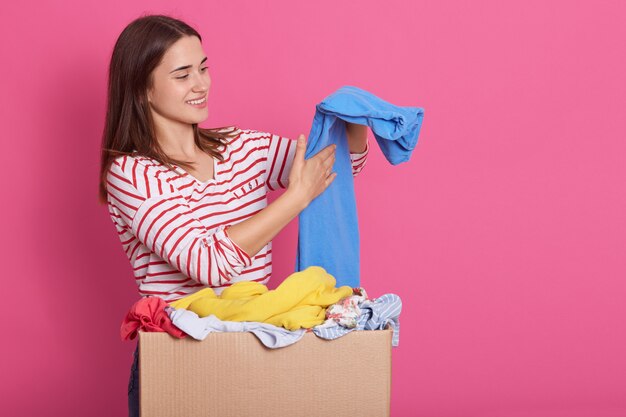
pixel 328 234
pixel 199 328
pixel 375 315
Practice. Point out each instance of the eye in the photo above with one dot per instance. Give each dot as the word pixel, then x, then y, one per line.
pixel 205 68
pixel 183 77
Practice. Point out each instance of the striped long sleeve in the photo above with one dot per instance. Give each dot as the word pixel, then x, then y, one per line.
pixel 166 225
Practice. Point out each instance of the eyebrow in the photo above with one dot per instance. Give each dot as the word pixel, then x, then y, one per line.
pixel 187 66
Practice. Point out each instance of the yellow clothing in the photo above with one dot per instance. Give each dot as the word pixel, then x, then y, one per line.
pixel 299 301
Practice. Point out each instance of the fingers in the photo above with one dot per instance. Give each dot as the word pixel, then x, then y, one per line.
pixel 322 155
pixel 327 152
pixel 301 144
pixel 329 162
pixel 325 159
pixel 330 178
pixel 300 149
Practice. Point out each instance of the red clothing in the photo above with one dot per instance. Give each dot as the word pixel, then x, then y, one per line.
pixel 148 315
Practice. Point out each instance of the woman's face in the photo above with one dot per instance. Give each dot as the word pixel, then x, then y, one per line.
pixel 181 77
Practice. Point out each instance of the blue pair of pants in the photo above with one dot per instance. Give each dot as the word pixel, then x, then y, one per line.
pixel 133 386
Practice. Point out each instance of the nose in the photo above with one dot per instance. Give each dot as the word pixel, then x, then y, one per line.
pixel 202 84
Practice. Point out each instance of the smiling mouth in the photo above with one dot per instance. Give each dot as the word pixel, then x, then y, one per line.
pixel 200 101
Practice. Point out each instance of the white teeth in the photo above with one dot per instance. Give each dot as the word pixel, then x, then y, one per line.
pixel 202 100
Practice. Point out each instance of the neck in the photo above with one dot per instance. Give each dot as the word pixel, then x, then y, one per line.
pixel 175 138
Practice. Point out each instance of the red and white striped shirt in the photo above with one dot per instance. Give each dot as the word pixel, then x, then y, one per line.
pixel 173 227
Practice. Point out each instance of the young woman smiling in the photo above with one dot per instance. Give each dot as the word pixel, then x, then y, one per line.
pixel 190 204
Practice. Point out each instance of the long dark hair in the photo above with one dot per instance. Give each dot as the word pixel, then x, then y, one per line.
pixel 128 125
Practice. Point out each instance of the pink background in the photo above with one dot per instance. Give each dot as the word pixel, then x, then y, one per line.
pixel 504 235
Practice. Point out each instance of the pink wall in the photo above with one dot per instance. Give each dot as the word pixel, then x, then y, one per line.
pixel 504 235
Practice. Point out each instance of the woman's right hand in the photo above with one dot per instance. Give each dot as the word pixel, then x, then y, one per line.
pixel 309 178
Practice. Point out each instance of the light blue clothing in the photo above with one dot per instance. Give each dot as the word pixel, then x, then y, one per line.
pixel 199 328
pixel 375 315
pixel 328 234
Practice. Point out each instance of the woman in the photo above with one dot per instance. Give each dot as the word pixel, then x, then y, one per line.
pixel 190 204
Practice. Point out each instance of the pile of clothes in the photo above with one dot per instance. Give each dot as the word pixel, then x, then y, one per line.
pixel 306 301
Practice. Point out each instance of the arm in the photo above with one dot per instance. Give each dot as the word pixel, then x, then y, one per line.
pixel 307 179
pixel 166 226
pixel 287 168
pixel 358 145
pixel 357 137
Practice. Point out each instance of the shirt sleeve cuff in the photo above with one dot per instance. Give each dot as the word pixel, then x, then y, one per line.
pixel 245 259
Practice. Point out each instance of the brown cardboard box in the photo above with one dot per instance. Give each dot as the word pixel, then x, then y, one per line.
pixel 233 374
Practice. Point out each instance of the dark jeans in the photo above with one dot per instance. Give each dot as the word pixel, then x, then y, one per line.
pixel 133 386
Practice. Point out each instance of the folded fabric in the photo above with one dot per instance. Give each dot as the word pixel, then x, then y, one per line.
pixel 148 315
pixel 328 234
pixel 300 301
pixel 200 327
pixel 346 312
pixel 375 315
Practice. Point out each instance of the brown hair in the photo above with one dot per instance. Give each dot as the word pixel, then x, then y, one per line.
pixel 128 125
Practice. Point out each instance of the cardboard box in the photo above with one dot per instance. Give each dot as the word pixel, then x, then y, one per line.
pixel 233 374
